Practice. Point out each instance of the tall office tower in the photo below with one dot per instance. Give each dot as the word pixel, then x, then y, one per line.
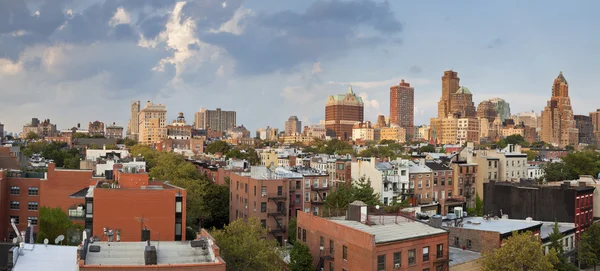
pixel 152 123
pixel 487 110
pixel 585 129
pixel 461 104
pixel 595 116
pixel 217 120
pixel 342 111
pixel 133 125
pixel 450 84
pixel 293 126
pixel 402 107
pixel 381 122
pixel 502 107
pixel 558 124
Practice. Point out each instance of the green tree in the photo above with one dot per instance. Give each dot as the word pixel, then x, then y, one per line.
pixel 172 166
pixel 531 155
pixel 145 151
pixel 514 139
pixel 478 210
pixel 53 222
pixel 427 148
pixel 558 171
pixel 300 258
pixel 363 191
pixel 521 251
pixel 556 245
pixel 252 157
pixel 31 135
pixel 588 246
pixel 215 203
pixel 569 148
pixel 291 232
pixel 81 135
pixel 244 249
pixel 195 190
pixel 218 146
pixel 190 233
pixel 340 198
pixel 583 162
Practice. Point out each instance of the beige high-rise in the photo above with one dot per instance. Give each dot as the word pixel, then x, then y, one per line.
pixel 293 126
pixel 152 123
pixel 217 120
pixel 133 125
pixel 558 124
pixel 450 84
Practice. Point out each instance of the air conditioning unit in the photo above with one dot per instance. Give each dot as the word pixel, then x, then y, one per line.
pixel 246 206
pixel 264 195
pixel 396 266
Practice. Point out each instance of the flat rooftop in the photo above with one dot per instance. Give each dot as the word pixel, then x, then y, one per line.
pixel 389 229
pixel 460 256
pixel 47 258
pixel 499 225
pixel 548 228
pixel 132 253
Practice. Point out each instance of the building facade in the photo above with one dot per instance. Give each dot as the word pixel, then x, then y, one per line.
pixel 558 124
pixel 179 129
pixel 134 121
pixel 96 128
pixel 502 108
pixel 450 84
pixel 217 120
pixel 293 126
pixel 363 131
pixel 595 116
pixel 152 123
pixel 114 131
pixel 402 106
pixel 585 129
pixel 342 111
pixel 462 105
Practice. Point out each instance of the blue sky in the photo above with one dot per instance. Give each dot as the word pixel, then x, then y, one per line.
pixel 75 62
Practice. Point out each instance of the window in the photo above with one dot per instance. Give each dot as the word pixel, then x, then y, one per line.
pixel 178 207
pixel 322 241
pixel 15 190
pixel 412 257
pixel 468 243
pixel 263 207
pixel 331 250
pixel 420 184
pixel 397 259
pixel 331 266
pixel 304 235
pixel 381 263
pixel 306 197
pixel 33 219
pixel 279 190
pixel 345 253
pixel 15 218
pixel 449 180
pixel 263 191
pixel 440 251
pixel 425 254
pixel 298 185
pixel 299 233
pixel 14 205
pixel 255 190
pixel 263 222
pixel 456 241
pixel 435 182
pixel 307 183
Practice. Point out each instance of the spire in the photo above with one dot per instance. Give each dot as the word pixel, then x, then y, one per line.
pixel 561 78
pixel 350 90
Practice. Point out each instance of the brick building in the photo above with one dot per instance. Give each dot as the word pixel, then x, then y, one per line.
pixel 558 124
pixel 565 203
pixel 114 131
pixel 365 242
pixel 341 113
pixel 402 106
pixel 96 128
pixel 442 183
pixel 585 129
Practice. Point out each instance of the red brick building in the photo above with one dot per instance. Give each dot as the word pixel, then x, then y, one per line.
pixel 341 113
pixel 368 242
pixel 402 106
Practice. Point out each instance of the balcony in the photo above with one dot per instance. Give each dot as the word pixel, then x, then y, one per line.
pixel 77 213
pixel 405 191
pixel 276 212
pixel 277 196
pixel 319 188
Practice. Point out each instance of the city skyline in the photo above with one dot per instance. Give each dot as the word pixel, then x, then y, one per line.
pixel 71 68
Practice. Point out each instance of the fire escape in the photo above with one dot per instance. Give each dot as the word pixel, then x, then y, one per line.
pixel 318 189
pixel 278 214
pixel 324 255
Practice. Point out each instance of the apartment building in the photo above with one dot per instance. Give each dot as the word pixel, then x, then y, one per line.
pixel 394 132
pixel 512 163
pixel 389 179
pixel 293 126
pixel 442 183
pixel 363 131
pixel 96 128
pixel 421 180
pixel 218 120
pixel 114 131
pixel 179 129
pixel 134 122
pixel 363 241
pixel 269 133
pixel 152 123
pixel 465 185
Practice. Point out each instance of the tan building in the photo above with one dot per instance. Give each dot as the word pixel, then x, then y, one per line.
pixel 238 132
pixel 558 125
pixel 42 129
pixel 467 130
pixel 450 84
pixel 381 122
pixel 456 103
pixel 508 131
pixel 269 133
pixel 315 131
pixel 134 121
pixel 152 123
pixel 293 126
pixel 303 139
pixel 462 103
pixel 217 120
pixel 402 106
pixel 529 119
pixel 96 128
pixel 179 129
pixel 363 131
pixel 342 111
pixel 487 110
pixel 595 116
pixel 394 132
pixel 114 131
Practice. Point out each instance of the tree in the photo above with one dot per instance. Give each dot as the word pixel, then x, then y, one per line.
pixel 243 247
pixel 478 210
pixel 340 198
pixel 584 162
pixel 172 166
pixel 588 246
pixel 31 135
pixel 218 146
pixel 569 148
pixel 145 151
pixel 363 191
pixel 556 245
pixel 514 139
pixel 427 148
pixel 215 202
pixel 190 233
pixel 194 203
pixel 291 232
pixel 81 135
pixel 531 155
pixel 558 171
pixel 53 222
pixel 521 251
pixel 300 258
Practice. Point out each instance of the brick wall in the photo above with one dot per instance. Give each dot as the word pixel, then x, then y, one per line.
pixel 481 241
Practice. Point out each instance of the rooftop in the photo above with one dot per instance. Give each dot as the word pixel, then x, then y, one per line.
pixel 391 228
pixel 548 227
pixel 47 258
pixel 460 256
pixel 132 253
pixel 499 225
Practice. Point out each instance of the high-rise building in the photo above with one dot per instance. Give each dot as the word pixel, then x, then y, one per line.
pixel 342 111
pixel 402 106
pixel 293 126
pixel 487 110
pixel 96 128
pixel 585 128
pixel 558 125
pixel 461 105
pixel 152 123
pixel 529 118
pixel 381 122
pixel 217 120
pixel 450 84
pixel 595 116
pixel 134 121
pixel 502 108
pixel 179 129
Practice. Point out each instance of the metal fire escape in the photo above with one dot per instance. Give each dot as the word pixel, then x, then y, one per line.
pixel 278 213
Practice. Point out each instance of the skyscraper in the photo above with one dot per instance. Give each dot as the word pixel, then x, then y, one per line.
pixel 461 104
pixel 217 120
pixel 585 128
pixel 152 123
pixel 487 110
pixel 293 126
pixel 402 106
pixel 133 125
pixel 450 84
pixel 502 107
pixel 558 124
pixel 595 116
pixel 342 111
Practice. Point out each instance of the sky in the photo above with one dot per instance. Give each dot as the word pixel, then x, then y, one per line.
pixel 81 61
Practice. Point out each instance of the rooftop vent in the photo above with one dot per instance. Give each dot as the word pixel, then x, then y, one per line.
pixel 150 257
pixel 94 248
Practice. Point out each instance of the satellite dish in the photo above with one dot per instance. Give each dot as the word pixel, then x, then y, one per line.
pixel 45 241
pixel 15 240
pixel 59 239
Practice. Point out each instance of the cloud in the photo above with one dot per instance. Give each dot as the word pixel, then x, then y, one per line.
pixel 316 68
pixel 383 83
pixel 415 69
pixel 120 17
pixel 235 25
pixel 371 105
pixel 495 43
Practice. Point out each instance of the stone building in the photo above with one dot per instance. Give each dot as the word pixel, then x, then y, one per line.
pixel 402 106
pixel 558 124
pixel 585 128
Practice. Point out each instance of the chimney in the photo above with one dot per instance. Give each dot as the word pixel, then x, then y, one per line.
pixel 357 211
pixel 150 257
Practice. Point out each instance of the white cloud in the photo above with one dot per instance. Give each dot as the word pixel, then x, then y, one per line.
pixel 121 17
pixel 37 13
pixel 220 71
pixel 70 12
pixel 384 83
pixel 317 68
pixel 9 67
pixel 234 25
pixel 224 5
pixel 370 105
